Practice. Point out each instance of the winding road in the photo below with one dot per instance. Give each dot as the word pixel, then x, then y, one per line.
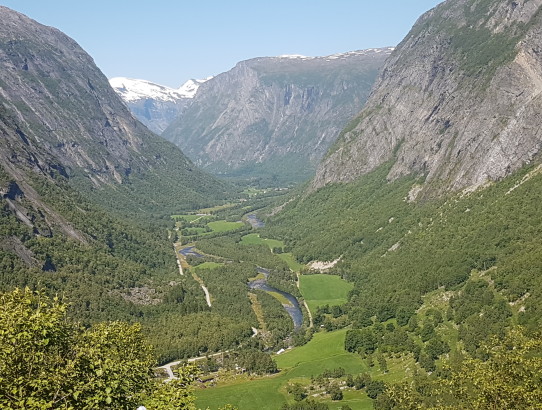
pixel 196 277
pixel 167 367
pixel 178 261
pixel 206 291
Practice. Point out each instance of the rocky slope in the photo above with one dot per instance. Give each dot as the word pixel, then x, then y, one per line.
pixel 458 102
pixel 154 105
pixel 275 116
pixel 60 118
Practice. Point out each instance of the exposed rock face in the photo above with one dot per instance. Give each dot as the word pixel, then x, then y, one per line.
pixel 458 102
pixel 155 105
pixel 60 117
pixel 275 115
pixel 55 109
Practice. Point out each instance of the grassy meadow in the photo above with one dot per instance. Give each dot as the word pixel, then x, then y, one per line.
pixel 321 289
pixel 224 226
pixel 324 351
pixel 254 239
pixel 208 265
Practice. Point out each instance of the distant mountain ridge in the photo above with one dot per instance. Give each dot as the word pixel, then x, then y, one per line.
pixel 458 103
pixel 155 105
pixel 275 117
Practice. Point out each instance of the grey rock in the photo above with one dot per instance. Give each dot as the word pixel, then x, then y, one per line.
pixel 458 102
pixel 59 114
pixel 156 114
pixel 275 115
pixel 61 122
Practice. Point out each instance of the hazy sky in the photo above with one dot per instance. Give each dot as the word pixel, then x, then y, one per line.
pixel 171 41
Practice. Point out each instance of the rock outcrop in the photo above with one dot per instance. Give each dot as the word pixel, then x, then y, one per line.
pixel 458 102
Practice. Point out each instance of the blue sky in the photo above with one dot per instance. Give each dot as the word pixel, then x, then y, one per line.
pixel 171 41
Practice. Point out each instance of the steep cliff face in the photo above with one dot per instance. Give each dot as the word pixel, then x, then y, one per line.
pixel 275 116
pixel 155 105
pixel 59 116
pixel 458 102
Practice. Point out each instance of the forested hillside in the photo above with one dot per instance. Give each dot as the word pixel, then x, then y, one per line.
pixel 435 280
pixel 396 251
pixel 86 190
pixel 441 273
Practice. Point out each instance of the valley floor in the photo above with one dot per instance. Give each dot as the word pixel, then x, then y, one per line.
pixel 324 352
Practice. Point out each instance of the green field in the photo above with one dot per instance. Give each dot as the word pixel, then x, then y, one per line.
pixel 224 226
pixel 254 239
pixel 324 351
pixel 290 261
pixel 321 289
pixel 215 208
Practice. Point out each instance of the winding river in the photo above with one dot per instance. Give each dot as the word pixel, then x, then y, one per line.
pixel 189 251
pixel 255 221
pixel 292 308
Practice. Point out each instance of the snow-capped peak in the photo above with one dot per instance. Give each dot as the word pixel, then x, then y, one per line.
pixel 190 88
pixel 369 51
pixel 294 56
pixel 132 89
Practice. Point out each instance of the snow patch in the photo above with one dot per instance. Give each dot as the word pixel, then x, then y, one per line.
pixel 131 89
pixel 293 56
pixel 190 88
pixel 369 51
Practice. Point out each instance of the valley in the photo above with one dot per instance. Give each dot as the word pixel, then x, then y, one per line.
pixel 428 329
pixel 351 231
pixel 323 352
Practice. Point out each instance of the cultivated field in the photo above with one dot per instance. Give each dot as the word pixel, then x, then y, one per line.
pixel 321 289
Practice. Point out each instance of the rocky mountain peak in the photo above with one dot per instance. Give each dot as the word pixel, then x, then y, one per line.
pixel 59 117
pixel 457 103
pixel 275 116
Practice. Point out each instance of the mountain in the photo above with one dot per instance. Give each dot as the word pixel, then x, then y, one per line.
pixel 275 117
pixel 155 105
pixel 458 102
pixel 61 117
pixel 429 203
pixel 86 190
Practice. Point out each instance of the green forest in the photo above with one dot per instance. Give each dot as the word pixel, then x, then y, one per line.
pixel 440 282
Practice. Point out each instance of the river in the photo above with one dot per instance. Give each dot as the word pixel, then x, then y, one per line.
pixel 293 308
pixel 189 251
pixel 255 221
